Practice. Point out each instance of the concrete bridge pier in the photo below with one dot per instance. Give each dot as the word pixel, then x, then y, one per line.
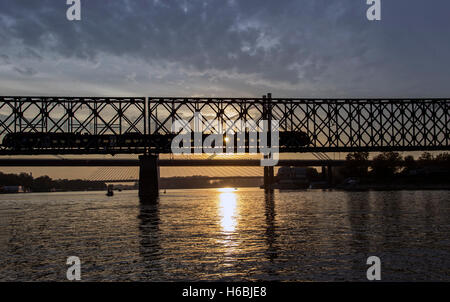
pixel 268 177
pixel 148 178
pixel 327 174
pixel 330 175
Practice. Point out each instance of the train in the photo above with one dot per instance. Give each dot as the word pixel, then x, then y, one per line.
pixel 28 141
pixel 40 140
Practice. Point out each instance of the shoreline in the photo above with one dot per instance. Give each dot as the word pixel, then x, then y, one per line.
pixel 355 188
pixel 394 187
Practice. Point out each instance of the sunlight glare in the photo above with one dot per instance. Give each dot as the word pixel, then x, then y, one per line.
pixel 228 202
pixel 227 190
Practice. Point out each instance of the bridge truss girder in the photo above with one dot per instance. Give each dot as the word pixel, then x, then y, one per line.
pixel 333 125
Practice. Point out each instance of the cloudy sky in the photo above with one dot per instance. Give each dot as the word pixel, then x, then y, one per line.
pixel 292 48
pixel 297 48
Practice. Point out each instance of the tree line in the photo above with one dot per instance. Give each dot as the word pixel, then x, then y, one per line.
pixel 388 165
pixel 46 184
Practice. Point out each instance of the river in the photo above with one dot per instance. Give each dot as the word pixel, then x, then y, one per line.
pixel 226 235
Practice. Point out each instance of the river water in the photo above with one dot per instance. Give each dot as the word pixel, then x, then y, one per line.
pixel 226 235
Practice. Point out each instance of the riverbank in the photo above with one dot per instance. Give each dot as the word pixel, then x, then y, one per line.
pixel 395 187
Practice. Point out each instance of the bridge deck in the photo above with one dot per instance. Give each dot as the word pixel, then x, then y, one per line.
pixel 21 162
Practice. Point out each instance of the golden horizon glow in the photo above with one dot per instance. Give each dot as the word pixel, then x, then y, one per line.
pixel 227 190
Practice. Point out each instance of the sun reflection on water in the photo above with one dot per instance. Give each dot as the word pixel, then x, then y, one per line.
pixel 227 209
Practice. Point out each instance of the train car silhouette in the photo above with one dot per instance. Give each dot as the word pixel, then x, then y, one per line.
pixel 27 141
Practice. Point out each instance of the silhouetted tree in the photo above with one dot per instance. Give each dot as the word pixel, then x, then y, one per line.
pixel 409 163
pixel 443 159
pixel 426 156
pixel 42 184
pixel 386 164
pixel 45 183
pixel 357 164
pixel 312 174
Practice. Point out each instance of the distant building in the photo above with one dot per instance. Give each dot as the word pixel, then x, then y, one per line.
pixel 291 178
pixel 12 189
pixel 299 173
pixel 284 172
pixel 427 171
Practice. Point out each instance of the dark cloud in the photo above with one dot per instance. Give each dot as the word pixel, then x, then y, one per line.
pixel 4 60
pixel 25 71
pixel 322 46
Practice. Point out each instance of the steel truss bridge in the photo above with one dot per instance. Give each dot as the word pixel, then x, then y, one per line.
pixel 333 125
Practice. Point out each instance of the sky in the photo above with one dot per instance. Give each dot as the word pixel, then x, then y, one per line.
pixel 228 48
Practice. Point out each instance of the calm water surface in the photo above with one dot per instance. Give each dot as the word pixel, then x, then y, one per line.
pixel 203 235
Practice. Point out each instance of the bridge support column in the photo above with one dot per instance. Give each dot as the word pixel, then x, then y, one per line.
pixel 268 177
pixel 148 178
pixel 324 173
pixel 330 175
pixel 267 115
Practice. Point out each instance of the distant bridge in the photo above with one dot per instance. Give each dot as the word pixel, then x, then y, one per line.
pixel 22 162
pixel 121 177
